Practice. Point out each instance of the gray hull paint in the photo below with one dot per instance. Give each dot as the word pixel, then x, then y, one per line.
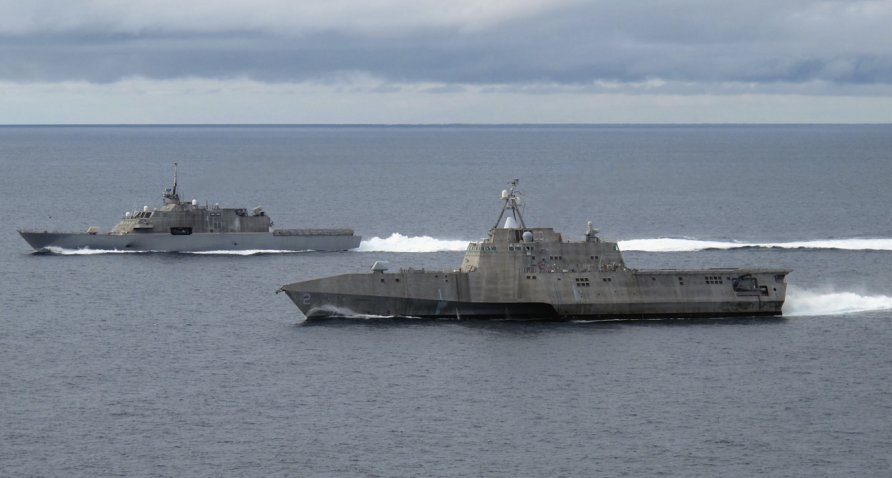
pixel 196 242
pixel 344 305
pixel 328 306
pixel 429 295
pixel 520 272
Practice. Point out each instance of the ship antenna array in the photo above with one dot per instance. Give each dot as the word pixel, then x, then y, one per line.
pixel 170 195
pixel 512 204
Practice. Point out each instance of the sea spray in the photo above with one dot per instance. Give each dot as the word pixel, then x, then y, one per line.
pixel 84 252
pixel 692 245
pixel 809 302
pixel 400 243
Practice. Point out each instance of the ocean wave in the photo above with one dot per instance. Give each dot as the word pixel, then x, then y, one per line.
pixel 692 245
pixel 400 243
pixel 808 302
pixel 84 252
pixel 247 252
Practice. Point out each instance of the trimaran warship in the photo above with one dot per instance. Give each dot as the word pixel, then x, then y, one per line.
pixel 520 272
pixel 188 226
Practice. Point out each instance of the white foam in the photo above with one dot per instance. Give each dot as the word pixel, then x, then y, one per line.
pixel 326 311
pixel 674 245
pixel 808 302
pixel 246 252
pixel 85 252
pixel 690 245
pixel 400 243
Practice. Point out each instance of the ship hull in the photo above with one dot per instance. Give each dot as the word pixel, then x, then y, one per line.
pixel 452 295
pixel 326 306
pixel 348 305
pixel 229 241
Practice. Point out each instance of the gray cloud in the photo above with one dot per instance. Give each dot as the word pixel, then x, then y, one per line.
pixel 574 43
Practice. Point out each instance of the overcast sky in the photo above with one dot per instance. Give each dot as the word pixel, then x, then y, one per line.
pixel 445 61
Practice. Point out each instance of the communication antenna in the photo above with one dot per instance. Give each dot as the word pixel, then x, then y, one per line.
pixel 512 204
pixel 170 195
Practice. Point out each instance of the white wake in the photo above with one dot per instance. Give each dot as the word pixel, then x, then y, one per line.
pixel 397 242
pixel 400 243
pixel 86 252
pixel 246 252
pixel 691 245
pixel 808 302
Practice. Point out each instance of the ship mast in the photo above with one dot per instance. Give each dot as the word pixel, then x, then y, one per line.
pixel 170 195
pixel 512 204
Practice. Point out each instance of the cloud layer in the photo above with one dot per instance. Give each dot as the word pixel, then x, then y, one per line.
pixel 703 45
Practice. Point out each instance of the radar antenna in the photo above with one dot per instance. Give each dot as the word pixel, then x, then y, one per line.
pixel 170 195
pixel 512 206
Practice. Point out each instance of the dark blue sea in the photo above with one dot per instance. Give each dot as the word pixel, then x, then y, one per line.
pixel 189 365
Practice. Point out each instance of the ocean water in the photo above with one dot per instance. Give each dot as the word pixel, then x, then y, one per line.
pixel 154 364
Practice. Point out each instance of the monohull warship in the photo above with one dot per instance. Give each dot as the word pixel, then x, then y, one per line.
pixel 520 272
pixel 180 226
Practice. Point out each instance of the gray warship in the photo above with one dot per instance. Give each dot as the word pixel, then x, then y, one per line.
pixel 180 226
pixel 520 272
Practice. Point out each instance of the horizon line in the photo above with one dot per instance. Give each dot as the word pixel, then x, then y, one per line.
pixel 426 125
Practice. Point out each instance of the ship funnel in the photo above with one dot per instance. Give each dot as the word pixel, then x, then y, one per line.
pixel 510 223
